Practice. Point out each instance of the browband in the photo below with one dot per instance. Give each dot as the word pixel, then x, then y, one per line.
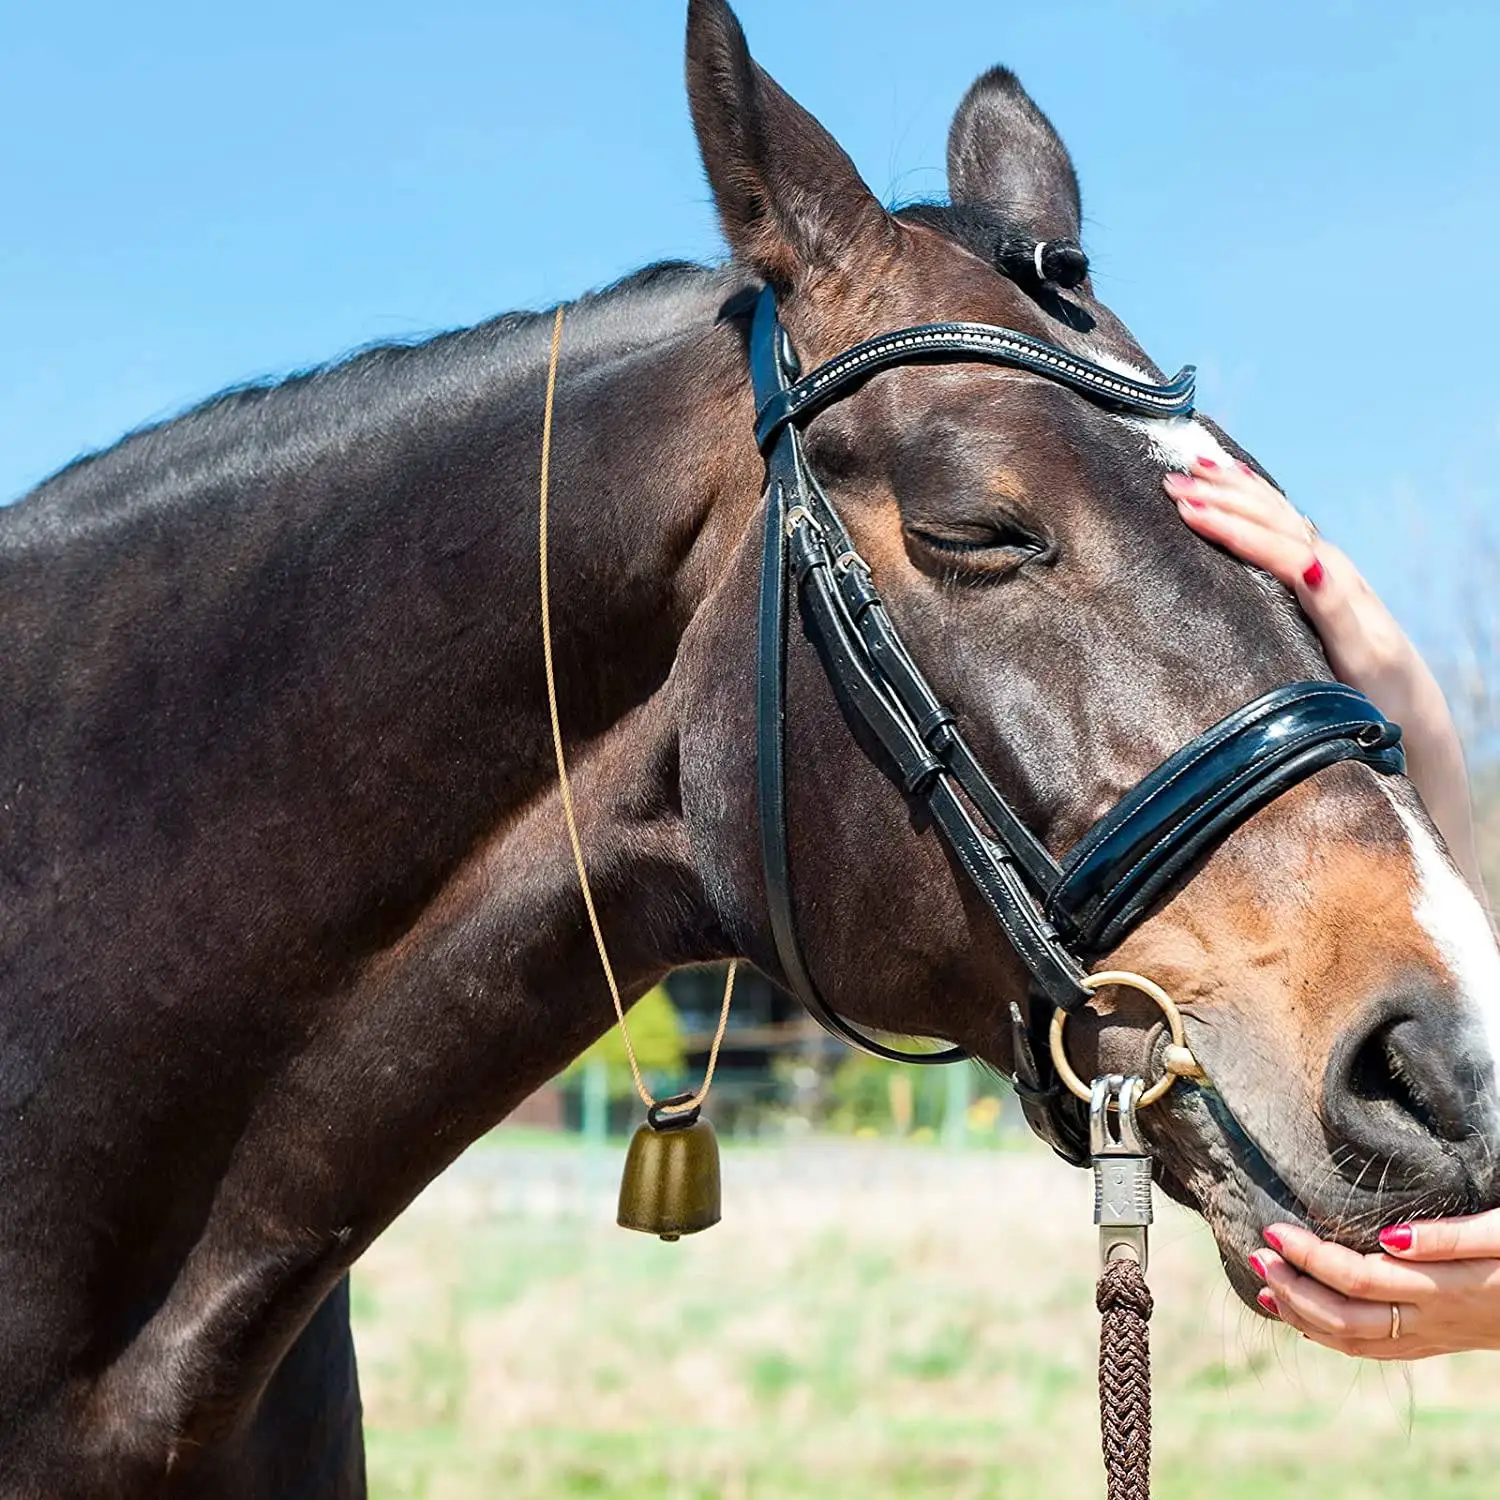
pixel 971 343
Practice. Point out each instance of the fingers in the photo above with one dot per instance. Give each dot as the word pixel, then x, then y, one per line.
pixel 1290 559
pixel 1473 1237
pixel 1239 489
pixel 1410 1345
pixel 1386 1349
pixel 1437 1289
pixel 1340 1298
pixel 1240 512
pixel 1311 1306
pixel 1369 1278
pixel 1243 514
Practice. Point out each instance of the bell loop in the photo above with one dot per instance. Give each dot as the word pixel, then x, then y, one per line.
pixel 676 1113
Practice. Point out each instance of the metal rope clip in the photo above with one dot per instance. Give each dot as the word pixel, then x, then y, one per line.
pixel 1122 1169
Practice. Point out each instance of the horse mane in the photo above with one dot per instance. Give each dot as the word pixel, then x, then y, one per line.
pixel 362 388
pixel 1004 241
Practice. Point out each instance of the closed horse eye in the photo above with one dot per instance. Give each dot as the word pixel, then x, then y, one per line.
pixel 987 541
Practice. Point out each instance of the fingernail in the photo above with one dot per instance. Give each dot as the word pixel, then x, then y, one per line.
pixel 1258 1265
pixel 1207 463
pixel 1397 1237
pixel 1272 1239
pixel 1244 468
pixel 1180 488
pixel 1313 576
pixel 1268 1302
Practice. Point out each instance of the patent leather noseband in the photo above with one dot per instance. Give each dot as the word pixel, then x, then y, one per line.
pixel 1058 916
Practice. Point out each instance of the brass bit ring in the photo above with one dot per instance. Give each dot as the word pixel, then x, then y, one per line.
pixel 1178 1061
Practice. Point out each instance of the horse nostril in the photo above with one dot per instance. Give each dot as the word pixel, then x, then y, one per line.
pixel 1395 1067
pixel 1407 1073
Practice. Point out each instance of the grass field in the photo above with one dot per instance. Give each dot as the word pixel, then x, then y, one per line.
pixel 870 1320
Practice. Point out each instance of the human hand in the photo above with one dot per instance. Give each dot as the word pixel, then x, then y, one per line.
pixel 1249 517
pixel 1243 513
pixel 1442 1277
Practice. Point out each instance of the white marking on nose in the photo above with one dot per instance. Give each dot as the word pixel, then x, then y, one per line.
pixel 1453 918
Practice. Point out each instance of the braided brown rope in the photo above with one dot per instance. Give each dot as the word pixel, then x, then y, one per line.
pixel 1124 1302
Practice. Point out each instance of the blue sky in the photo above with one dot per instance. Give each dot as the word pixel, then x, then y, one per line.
pixel 1300 197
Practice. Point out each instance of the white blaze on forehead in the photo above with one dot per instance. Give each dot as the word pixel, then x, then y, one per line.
pixel 1176 441
pixel 1452 917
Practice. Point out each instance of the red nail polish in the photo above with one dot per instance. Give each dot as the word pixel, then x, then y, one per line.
pixel 1244 468
pixel 1397 1237
pixel 1207 463
pixel 1272 1239
pixel 1268 1302
pixel 1313 576
pixel 1258 1265
pixel 1194 501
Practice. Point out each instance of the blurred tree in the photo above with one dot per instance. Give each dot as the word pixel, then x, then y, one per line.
pixel 1469 671
pixel 655 1032
pixel 863 1102
pixel 1487 825
pixel 1470 668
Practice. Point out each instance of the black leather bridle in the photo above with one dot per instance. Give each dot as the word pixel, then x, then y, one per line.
pixel 1057 916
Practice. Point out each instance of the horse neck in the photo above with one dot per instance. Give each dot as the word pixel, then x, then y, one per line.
pixel 319 884
pixel 323 662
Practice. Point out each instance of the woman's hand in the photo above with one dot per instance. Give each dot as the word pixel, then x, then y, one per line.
pixel 1366 648
pixel 1442 1277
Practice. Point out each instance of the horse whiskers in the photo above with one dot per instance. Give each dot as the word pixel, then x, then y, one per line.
pixel 1346 1221
pixel 1342 1208
pixel 1345 1217
pixel 1331 1168
pixel 1486 1143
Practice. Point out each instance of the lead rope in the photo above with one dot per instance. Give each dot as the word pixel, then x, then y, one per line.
pixel 566 787
pixel 1124 1303
pixel 1122 1210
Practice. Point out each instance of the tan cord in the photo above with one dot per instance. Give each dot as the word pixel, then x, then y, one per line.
pixel 567 789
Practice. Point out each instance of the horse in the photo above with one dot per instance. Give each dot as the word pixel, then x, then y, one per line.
pixel 288 915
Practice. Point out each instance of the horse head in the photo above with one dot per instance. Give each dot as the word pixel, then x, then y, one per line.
pixel 1341 982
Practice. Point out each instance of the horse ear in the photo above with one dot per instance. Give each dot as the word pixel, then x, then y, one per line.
pixel 1004 154
pixel 789 198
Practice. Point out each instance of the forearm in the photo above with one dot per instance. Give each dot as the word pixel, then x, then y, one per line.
pixel 1405 690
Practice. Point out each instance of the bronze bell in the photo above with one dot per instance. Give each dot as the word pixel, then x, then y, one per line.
pixel 671 1183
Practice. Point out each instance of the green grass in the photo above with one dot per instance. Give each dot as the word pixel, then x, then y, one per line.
pixel 867 1322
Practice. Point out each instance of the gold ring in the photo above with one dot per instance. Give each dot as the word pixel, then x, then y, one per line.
pixel 1178 1061
pixel 1395 1320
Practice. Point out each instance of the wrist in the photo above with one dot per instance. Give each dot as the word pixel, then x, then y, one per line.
pixel 1394 677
